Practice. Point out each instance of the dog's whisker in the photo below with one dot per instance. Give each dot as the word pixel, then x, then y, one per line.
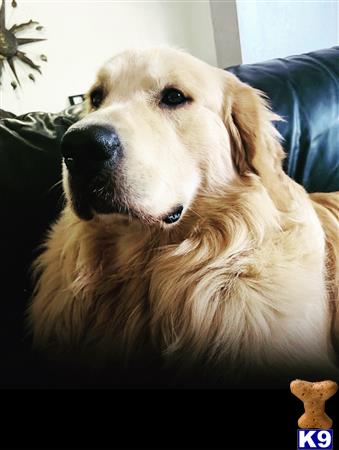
pixel 55 185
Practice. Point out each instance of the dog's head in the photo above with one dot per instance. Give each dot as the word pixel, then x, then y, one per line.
pixel 161 127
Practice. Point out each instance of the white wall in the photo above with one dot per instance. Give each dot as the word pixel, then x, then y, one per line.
pixel 83 34
pixel 279 28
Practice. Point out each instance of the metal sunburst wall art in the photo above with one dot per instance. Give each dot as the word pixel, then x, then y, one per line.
pixel 10 43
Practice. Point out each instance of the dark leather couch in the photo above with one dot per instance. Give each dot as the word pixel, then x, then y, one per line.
pixel 303 89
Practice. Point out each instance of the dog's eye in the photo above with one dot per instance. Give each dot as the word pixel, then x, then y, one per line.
pixel 173 97
pixel 96 97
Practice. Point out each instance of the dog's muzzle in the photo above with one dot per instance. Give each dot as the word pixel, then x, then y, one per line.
pixel 92 155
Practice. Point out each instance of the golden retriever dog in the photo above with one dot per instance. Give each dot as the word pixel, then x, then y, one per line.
pixel 182 238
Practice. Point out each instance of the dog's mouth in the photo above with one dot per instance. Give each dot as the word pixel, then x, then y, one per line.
pixel 87 204
pixel 174 216
pixel 86 211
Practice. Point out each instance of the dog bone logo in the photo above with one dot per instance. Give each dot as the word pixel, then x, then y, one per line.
pixel 314 396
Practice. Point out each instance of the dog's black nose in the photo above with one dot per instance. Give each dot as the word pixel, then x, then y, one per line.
pixel 90 148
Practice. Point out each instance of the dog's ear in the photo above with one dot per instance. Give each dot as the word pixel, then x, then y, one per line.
pixel 254 139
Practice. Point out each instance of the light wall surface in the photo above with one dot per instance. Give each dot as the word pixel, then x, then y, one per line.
pixel 279 28
pixel 83 34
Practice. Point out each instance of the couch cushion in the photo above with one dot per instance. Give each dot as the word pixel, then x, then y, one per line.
pixel 304 90
pixel 30 165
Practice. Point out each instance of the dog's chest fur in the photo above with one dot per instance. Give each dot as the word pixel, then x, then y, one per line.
pixel 205 298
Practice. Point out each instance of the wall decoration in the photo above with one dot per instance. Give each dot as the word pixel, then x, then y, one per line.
pixel 10 43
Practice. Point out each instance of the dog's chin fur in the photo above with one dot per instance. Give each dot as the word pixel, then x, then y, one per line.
pixel 238 286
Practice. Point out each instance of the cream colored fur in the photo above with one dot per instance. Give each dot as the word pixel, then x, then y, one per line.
pixel 239 283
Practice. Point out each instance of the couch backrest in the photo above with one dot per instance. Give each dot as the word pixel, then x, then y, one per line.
pixel 304 90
